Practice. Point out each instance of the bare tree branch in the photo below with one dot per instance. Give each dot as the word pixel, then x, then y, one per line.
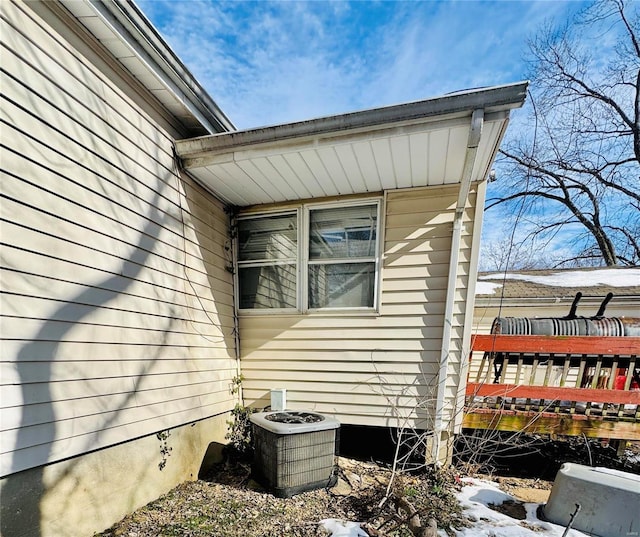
pixel 582 157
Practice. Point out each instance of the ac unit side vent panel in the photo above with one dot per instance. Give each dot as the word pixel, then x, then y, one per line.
pixel 288 463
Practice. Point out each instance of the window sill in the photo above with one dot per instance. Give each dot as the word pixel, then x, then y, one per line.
pixel 314 313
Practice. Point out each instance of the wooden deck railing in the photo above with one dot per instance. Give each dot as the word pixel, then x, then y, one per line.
pixel 556 384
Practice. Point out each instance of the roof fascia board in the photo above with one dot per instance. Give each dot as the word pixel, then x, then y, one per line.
pixel 193 157
pixel 461 104
pixel 495 302
pixel 142 38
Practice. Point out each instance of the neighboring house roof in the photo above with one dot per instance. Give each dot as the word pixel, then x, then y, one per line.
pixel 558 285
pixel 132 40
pixel 445 140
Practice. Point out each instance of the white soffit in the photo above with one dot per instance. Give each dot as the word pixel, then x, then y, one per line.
pixel 410 145
pixel 132 40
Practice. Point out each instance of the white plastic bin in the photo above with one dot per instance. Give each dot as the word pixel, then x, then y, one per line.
pixel 609 500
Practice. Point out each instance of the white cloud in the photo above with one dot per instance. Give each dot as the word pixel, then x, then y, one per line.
pixel 274 62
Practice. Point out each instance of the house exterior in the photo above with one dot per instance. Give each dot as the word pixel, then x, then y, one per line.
pixel 117 309
pixel 152 254
pixel 357 242
pixel 550 293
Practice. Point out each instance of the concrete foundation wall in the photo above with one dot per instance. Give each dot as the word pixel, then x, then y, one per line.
pixel 87 494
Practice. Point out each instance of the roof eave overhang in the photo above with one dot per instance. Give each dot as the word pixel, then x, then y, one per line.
pixel 459 104
pixel 124 31
pixel 243 167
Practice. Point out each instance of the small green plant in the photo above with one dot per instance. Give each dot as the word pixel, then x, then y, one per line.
pixel 410 492
pixel 236 383
pixel 239 434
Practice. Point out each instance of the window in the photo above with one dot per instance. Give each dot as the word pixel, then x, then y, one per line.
pixel 267 262
pixel 317 257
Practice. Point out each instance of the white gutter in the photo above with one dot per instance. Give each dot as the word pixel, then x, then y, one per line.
pixel 137 33
pixel 496 99
pixel 477 121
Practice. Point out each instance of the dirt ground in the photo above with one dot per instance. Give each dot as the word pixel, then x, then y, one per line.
pixel 228 503
pixel 525 489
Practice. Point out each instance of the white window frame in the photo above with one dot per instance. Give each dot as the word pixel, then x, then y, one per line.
pixel 306 262
pixel 303 262
pixel 249 264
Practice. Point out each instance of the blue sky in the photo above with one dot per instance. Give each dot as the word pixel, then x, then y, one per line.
pixel 266 63
pixel 272 62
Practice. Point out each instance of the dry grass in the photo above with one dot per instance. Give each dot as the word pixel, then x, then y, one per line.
pixel 230 504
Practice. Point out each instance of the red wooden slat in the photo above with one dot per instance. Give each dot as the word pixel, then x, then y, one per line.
pixel 603 345
pixel 582 395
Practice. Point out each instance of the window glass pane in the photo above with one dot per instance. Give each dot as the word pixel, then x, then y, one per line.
pixel 271 286
pixel 268 238
pixel 341 285
pixel 343 232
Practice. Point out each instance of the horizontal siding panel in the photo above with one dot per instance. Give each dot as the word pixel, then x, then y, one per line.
pixel 145 251
pixel 318 334
pixel 413 247
pixel 35 330
pixel 250 344
pixel 360 355
pixel 83 106
pixel 139 266
pixel 377 367
pixel 420 284
pixel 71 390
pixel 118 307
pixel 377 322
pixel 34 372
pixel 114 292
pixel 261 388
pixel 81 442
pixel 306 400
pixel 428 195
pixel 23 306
pixel 34 39
pixel 372 369
pixel 434 270
pixel 426 211
pixel 440 242
pixel 29 91
pixel 71 272
pixel 424 297
pixel 411 309
pixel 77 145
pixel 407 259
pixel 70 351
pixel 39 414
pixel 370 406
pixel 126 242
pixel 58 197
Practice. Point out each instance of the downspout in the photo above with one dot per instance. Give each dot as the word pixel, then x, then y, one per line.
pixel 477 121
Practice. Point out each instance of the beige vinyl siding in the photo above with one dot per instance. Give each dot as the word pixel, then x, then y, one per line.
pixel 373 369
pixel 117 305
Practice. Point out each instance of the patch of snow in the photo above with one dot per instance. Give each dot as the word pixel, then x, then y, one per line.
pixel 339 528
pixel 578 278
pixel 487 288
pixel 475 497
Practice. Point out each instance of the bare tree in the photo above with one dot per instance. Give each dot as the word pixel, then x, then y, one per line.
pixel 578 157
